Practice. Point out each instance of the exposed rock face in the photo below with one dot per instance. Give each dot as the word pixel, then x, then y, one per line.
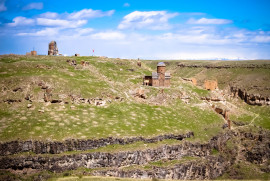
pixel 212 168
pixel 139 92
pixel 10 101
pixel 39 147
pixel 72 62
pixel 207 167
pixel 215 99
pixel 193 80
pixel 252 99
pixel 96 160
pixel 258 149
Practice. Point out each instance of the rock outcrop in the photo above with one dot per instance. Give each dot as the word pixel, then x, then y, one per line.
pixel 210 169
pixel 99 159
pixel 118 159
pixel 252 99
pixel 207 166
pixel 54 147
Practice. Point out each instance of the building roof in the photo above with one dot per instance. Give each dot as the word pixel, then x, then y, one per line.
pixel 161 64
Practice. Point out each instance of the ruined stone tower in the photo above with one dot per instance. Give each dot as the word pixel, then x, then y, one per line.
pixel 161 72
pixel 53 50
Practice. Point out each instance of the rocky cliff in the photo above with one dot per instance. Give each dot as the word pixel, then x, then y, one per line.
pixel 100 159
pixel 210 168
pixel 252 99
pixel 233 145
pixel 55 147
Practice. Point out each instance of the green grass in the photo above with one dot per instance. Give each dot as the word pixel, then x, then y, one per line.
pixel 256 115
pixel 246 171
pixel 117 120
pixel 106 79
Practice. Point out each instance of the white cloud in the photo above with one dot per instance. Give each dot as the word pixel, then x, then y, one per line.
pixel 2 6
pixel 44 32
pixel 30 6
pixel 261 39
pixel 84 31
pixel 21 21
pixel 206 21
pixel 60 22
pixel 112 35
pixel 155 20
pixel 202 38
pixel 89 13
pixel 50 15
pixel 126 5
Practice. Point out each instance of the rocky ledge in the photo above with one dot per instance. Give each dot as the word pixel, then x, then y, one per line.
pixel 210 168
pixel 100 159
pixel 231 146
pixel 56 147
pixel 251 99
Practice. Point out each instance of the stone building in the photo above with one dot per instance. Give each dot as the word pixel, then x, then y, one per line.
pixel 32 53
pixel 161 78
pixel 53 50
pixel 210 84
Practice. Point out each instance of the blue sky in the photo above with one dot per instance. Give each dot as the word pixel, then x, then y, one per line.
pixel 149 29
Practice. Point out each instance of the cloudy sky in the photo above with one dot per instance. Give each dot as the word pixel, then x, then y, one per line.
pixel 147 29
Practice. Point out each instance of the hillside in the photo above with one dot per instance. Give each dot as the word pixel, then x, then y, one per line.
pixel 51 100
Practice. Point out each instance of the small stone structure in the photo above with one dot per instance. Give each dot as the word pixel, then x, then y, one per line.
pixel 53 50
pixel 139 63
pixel 210 84
pixel 161 78
pixel 77 55
pixel 32 53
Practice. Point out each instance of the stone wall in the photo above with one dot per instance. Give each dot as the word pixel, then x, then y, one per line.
pixel 210 84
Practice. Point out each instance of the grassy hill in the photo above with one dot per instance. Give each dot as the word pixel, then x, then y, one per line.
pixel 111 80
pixel 76 90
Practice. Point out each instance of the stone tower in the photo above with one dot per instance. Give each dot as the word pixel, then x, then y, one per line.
pixel 161 67
pixel 53 50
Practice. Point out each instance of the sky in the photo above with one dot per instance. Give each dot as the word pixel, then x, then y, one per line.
pixel 145 29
